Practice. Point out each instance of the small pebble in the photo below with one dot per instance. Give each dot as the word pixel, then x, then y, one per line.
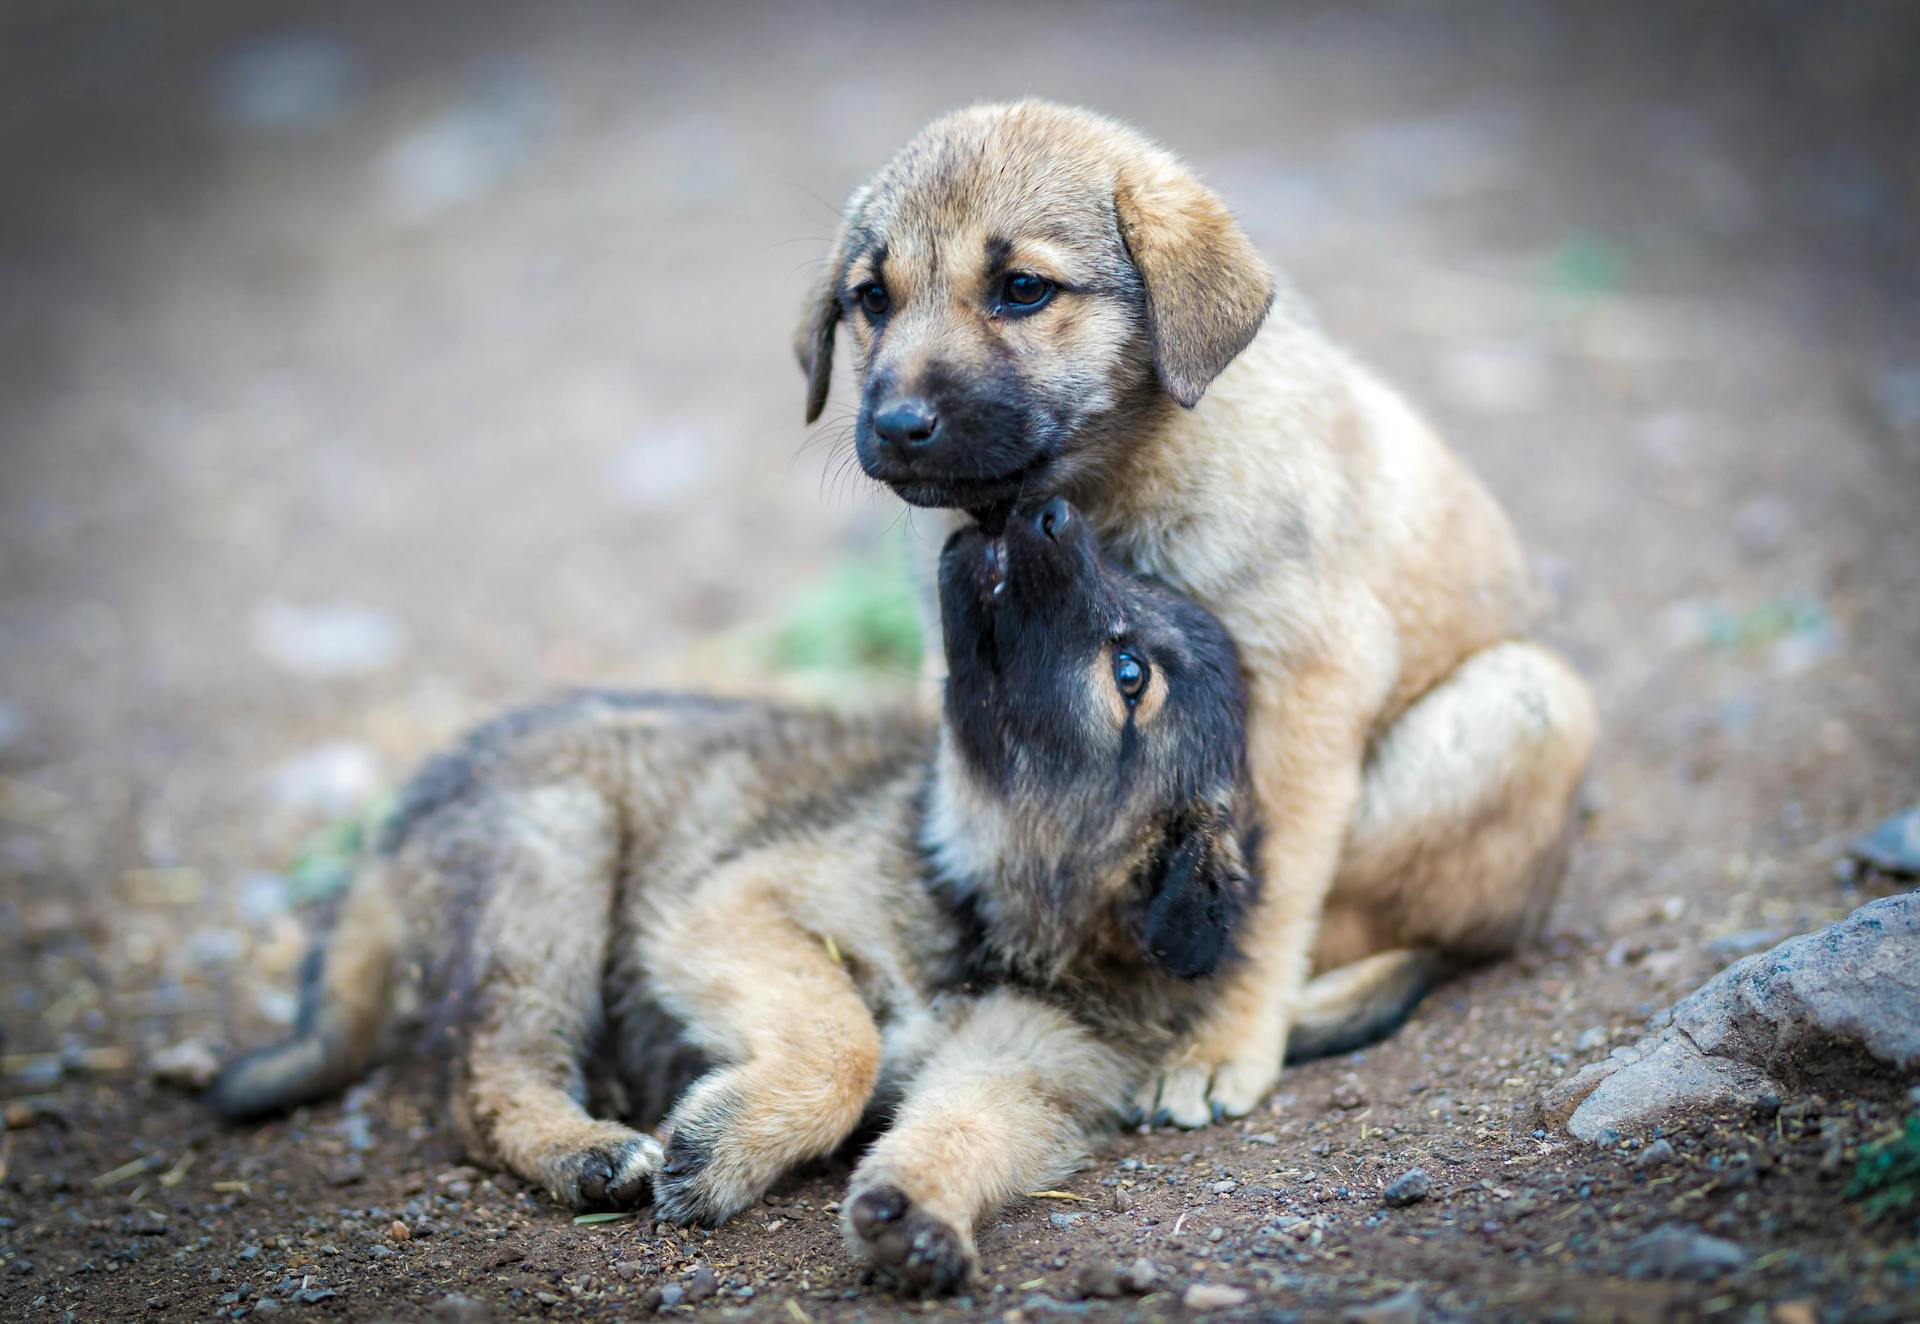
pixel 1400 1308
pixel 1678 1251
pixel 1348 1093
pixel 1140 1276
pixel 1411 1187
pixel 454 1308
pixel 1655 1155
pixel 1099 1279
pixel 187 1065
pixel 1212 1296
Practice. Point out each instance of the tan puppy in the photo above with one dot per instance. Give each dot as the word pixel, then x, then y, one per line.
pixel 1041 300
pixel 993 930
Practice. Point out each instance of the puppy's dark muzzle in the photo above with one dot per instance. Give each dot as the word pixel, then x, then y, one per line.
pixel 1042 547
pixel 946 450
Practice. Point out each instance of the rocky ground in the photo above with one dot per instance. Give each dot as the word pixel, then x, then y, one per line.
pixel 365 370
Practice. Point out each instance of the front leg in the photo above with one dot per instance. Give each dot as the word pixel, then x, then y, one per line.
pixel 1305 745
pixel 1010 1103
pixel 799 1049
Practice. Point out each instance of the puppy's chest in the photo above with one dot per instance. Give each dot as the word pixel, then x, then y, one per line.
pixel 1090 967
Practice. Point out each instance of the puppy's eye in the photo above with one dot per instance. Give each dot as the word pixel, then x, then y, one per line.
pixel 873 299
pixel 1130 674
pixel 1024 290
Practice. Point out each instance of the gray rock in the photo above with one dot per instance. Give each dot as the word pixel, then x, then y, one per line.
pixel 1893 847
pixel 1065 1219
pixel 1812 1002
pixel 1856 982
pixel 1411 1187
pixel 1678 1251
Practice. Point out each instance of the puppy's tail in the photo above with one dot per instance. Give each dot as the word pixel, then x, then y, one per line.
pixel 1355 1005
pixel 345 991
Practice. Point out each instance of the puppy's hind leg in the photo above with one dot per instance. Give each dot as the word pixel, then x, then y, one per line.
pixel 1457 845
pixel 1011 1103
pixel 542 953
pixel 802 1053
pixel 1465 814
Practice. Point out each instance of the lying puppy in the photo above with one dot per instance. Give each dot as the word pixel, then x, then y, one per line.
pixel 1039 299
pixel 1001 923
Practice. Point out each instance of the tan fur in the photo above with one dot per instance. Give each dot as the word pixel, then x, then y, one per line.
pixel 1367 577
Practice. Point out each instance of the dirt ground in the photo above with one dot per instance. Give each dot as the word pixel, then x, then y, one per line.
pixel 367 369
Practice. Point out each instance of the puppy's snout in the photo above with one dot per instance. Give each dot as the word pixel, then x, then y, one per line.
pixel 1054 518
pixel 906 425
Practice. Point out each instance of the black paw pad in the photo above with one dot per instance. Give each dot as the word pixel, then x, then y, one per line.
pixel 609 1174
pixel 916 1252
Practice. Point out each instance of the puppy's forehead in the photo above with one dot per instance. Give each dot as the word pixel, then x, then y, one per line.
pixel 961 195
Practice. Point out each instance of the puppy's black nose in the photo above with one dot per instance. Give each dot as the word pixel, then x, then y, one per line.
pixel 1054 518
pixel 906 423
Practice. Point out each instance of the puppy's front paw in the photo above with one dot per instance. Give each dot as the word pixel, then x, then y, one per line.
pixel 716 1163
pixel 1240 1083
pixel 614 1171
pixel 1192 1094
pixel 920 1254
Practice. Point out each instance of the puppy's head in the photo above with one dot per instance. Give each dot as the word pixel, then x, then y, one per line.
pixel 1018 281
pixel 1093 744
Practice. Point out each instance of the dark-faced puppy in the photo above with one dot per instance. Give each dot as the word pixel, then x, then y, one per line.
pixel 1084 825
pixel 1095 718
pixel 999 924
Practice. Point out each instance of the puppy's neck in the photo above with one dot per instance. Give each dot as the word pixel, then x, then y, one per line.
pixel 1046 901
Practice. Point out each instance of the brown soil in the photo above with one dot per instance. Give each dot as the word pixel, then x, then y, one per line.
pixel 481 332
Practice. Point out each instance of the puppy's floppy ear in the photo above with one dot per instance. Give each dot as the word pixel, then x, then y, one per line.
pixel 813 337
pixel 1208 290
pixel 1198 888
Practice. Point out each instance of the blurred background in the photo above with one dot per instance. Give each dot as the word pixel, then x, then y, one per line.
pixel 367 367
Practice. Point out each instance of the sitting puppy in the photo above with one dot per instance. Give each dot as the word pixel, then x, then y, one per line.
pixel 998 926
